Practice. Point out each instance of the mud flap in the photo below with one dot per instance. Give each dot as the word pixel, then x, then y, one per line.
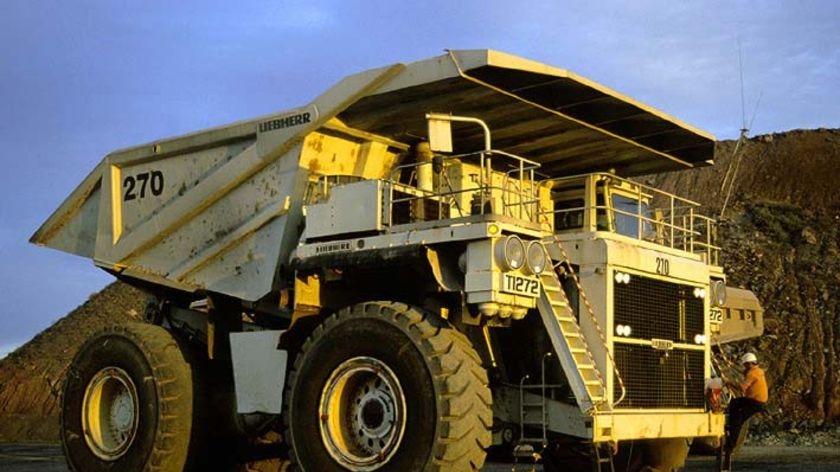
pixel 259 371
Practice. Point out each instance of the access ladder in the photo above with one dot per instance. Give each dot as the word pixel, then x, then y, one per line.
pixel 567 339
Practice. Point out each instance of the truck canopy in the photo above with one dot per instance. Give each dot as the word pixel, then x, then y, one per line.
pixel 221 209
pixel 569 124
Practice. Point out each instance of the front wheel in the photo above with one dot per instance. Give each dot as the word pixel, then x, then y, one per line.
pixel 384 386
pixel 127 402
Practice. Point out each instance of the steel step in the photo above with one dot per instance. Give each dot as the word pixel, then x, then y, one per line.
pixel 569 342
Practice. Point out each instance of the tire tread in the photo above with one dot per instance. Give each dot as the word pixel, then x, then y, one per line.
pixel 464 403
pixel 172 376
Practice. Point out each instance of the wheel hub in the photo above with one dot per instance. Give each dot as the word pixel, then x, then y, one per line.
pixel 109 413
pixel 362 413
pixel 374 415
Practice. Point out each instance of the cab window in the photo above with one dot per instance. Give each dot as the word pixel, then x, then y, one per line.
pixel 625 211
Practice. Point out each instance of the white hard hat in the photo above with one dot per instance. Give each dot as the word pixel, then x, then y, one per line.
pixel 748 357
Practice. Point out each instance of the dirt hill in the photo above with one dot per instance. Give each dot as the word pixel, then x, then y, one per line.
pixel 781 239
pixel 799 167
pixel 31 376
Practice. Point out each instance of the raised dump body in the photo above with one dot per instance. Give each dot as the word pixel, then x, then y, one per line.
pixel 220 209
pixel 364 263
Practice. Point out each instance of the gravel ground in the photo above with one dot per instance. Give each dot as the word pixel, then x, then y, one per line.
pixel 31 458
pixel 48 458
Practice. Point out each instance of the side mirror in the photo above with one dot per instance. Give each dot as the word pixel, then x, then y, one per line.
pixel 440 132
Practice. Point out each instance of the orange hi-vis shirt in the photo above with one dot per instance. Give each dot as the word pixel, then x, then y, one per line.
pixel 755 385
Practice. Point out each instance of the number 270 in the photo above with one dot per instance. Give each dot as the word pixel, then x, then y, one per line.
pixel 135 185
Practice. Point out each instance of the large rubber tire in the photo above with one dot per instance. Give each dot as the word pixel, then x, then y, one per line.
pixel 148 357
pixel 447 415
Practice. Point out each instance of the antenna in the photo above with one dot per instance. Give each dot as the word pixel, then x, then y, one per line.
pixel 741 74
pixel 728 182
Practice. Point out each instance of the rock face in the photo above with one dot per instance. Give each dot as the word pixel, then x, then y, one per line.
pixel 781 239
pixel 799 167
pixel 31 377
pixel 790 257
pixel 780 236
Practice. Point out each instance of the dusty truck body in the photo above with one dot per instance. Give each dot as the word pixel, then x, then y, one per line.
pixel 427 260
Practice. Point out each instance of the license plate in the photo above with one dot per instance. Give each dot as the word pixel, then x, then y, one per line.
pixel 520 285
pixel 716 315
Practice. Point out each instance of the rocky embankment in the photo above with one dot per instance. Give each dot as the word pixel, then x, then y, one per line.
pixel 31 377
pixel 781 239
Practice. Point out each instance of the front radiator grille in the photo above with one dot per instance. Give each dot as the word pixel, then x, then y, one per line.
pixel 656 309
pixel 654 380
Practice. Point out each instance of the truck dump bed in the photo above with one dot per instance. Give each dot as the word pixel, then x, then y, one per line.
pixel 222 209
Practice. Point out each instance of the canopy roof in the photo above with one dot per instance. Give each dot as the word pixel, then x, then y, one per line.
pixel 567 123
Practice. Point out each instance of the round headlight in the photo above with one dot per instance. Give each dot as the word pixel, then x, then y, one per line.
pixel 718 291
pixel 622 278
pixel 512 253
pixel 623 330
pixel 536 260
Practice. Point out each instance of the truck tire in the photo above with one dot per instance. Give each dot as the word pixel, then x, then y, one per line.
pixel 127 402
pixel 384 386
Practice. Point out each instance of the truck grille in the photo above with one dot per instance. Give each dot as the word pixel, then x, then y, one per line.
pixel 654 380
pixel 656 309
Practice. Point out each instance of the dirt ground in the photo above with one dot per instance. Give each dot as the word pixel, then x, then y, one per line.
pixel 48 458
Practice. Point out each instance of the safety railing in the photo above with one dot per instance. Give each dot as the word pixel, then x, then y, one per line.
pixel 642 212
pixel 512 193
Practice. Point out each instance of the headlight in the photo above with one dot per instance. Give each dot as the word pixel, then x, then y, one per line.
pixel 699 292
pixel 622 278
pixel 536 260
pixel 718 291
pixel 623 330
pixel 511 253
pixel 700 339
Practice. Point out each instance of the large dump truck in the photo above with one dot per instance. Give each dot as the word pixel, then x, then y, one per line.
pixel 427 260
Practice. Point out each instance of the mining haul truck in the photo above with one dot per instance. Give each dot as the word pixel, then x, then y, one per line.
pixel 428 260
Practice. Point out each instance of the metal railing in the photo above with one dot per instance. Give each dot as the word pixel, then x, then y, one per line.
pixel 513 193
pixel 658 216
pixel 652 215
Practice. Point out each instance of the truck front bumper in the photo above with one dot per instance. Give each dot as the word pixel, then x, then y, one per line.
pixel 621 426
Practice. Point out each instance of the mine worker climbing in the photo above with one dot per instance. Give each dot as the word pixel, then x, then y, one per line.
pixel 752 400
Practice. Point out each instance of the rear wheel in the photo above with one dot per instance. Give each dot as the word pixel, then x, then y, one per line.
pixel 383 386
pixel 127 402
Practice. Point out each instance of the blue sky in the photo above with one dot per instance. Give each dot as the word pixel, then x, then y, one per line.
pixel 79 79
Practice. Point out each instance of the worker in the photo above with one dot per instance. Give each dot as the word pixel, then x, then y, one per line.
pixel 752 400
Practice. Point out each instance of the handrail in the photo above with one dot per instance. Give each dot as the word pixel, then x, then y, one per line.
pixel 630 182
pixel 518 189
pixel 674 222
pixel 555 239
